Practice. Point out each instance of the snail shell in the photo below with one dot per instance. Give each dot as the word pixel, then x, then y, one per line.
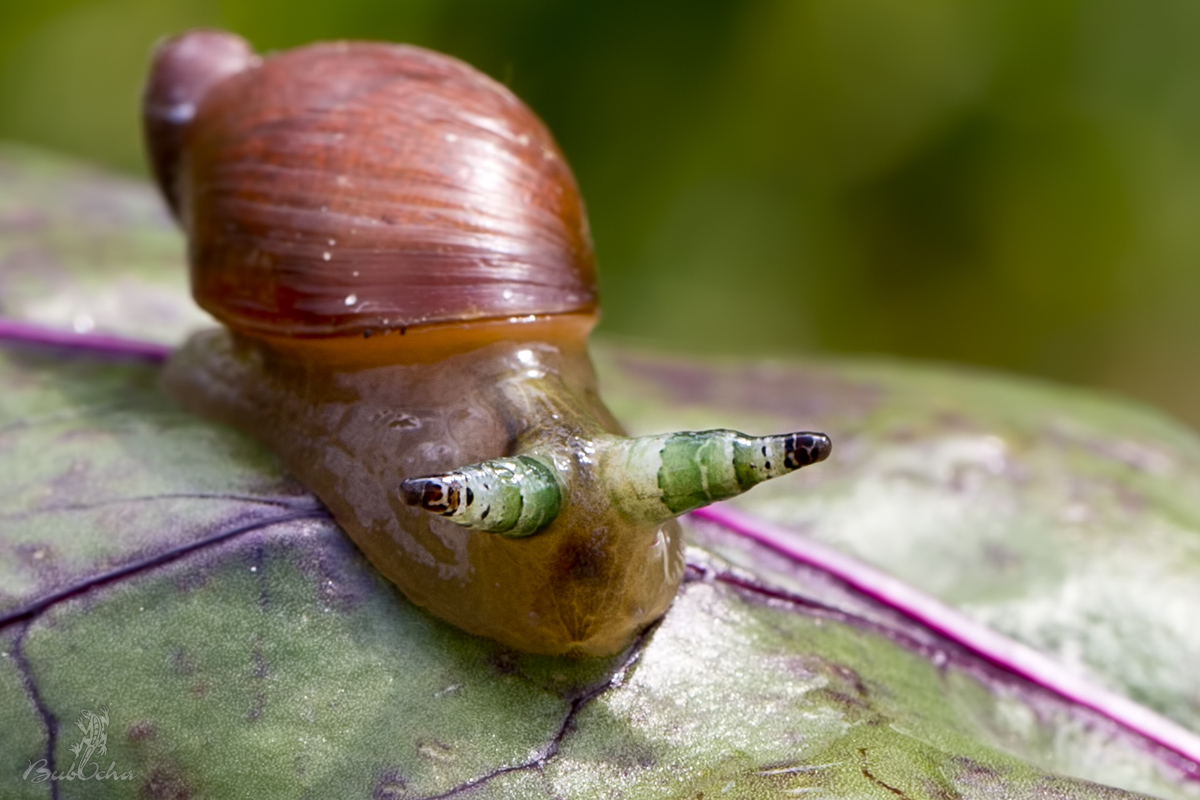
pixel 341 187
pixel 401 259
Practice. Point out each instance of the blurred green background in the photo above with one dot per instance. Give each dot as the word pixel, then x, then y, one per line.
pixel 1014 184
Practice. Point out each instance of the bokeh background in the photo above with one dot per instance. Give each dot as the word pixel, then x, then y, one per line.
pixel 1010 183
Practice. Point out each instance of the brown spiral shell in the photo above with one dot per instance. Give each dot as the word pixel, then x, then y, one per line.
pixel 359 187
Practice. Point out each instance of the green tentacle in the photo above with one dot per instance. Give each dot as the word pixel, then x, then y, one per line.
pixel 652 478
pixel 511 496
pixel 663 476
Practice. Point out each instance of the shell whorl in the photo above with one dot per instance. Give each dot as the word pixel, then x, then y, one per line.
pixel 358 187
pixel 184 69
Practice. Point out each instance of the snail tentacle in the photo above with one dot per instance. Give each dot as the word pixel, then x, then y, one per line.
pixel 651 479
pixel 510 496
pixel 658 477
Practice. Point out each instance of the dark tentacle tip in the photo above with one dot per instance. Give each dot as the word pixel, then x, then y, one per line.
pixel 412 491
pixel 434 494
pixel 807 448
pixel 821 447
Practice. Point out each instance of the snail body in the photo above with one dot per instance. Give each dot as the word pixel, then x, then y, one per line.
pixel 401 259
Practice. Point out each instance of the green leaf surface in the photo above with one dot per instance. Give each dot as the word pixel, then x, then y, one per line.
pixel 1067 520
pixel 166 569
pixel 82 250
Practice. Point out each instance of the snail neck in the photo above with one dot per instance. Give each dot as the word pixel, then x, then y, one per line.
pixel 425 344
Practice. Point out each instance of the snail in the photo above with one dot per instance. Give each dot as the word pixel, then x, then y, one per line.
pixel 401 262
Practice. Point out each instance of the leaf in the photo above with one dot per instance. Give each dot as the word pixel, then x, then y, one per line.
pixel 83 251
pixel 1067 520
pixel 166 568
